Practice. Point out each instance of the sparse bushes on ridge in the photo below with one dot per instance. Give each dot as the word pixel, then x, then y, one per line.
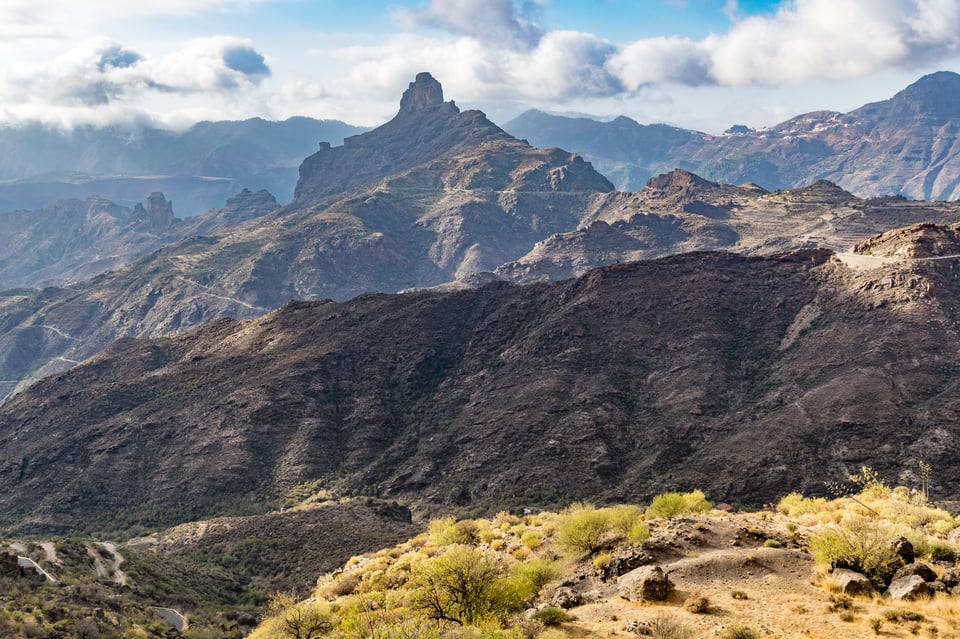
pixel 584 530
pixel 795 505
pixel 669 505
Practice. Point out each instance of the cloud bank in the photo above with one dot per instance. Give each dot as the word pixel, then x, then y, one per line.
pixel 499 50
pixel 100 79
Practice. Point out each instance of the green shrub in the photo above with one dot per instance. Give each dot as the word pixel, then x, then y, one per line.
pixel 860 544
pixel 581 532
pixel 795 504
pixel 668 505
pixel 531 539
pixel 940 551
pixel 738 631
pixel 623 519
pixel 638 533
pixel 552 616
pixel 466 586
pixel 772 543
pixel 601 561
pixel 531 576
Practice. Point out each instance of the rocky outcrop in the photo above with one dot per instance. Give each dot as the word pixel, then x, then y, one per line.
pixel 422 93
pixel 647 583
pixel 908 588
pixel 853 583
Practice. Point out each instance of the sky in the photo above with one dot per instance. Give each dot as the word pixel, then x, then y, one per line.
pixel 700 64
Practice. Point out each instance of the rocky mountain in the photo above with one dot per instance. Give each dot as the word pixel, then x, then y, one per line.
pixel 74 240
pixel 625 151
pixel 198 168
pixel 633 379
pixel 907 145
pixel 434 196
pixel 679 212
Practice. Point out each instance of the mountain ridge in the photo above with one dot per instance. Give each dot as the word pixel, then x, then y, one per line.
pixel 652 374
pixel 906 145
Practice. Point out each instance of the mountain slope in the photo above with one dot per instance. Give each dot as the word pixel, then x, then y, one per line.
pixel 907 145
pixel 631 380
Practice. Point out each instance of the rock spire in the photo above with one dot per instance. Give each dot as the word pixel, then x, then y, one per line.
pixel 423 92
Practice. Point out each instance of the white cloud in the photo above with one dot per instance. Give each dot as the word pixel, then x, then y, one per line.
pixel 500 21
pixel 100 78
pixel 805 40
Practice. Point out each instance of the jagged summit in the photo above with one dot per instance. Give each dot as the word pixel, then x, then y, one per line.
pixel 428 130
pixel 422 93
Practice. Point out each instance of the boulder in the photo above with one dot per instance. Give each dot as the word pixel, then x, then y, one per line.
pixel 904 550
pixel 853 583
pixel 566 598
pixel 937 586
pixel 921 570
pixel 908 588
pixel 951 577
pixel 647 583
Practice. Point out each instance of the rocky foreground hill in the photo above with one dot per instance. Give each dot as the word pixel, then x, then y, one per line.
pixel 744 376
pixel 907 145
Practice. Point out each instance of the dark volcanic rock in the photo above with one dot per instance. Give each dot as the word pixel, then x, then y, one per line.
pixel 853 583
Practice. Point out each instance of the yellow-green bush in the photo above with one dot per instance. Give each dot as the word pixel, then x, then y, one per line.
pixel 862 544
pixel 582 531
pixel 531 576
pixel 795 505
pixel 531 539
pixel 668 505
pixel 466 586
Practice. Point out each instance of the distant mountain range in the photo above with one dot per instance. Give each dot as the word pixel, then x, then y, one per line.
pixel 650 375
pixel 198 169
pixel 907 145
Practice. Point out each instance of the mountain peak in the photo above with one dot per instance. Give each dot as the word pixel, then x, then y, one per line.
pixel 934 96
pixel 423 92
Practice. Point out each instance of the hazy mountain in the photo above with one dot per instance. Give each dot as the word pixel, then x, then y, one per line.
pixel 198 168
pixel 747 377
pixel 906 145
pixel 433 195
pixel 625 151
pixel 73 240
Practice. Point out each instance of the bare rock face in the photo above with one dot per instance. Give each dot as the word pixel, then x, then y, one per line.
pixel 923 571
pixel 853 583
pixel 924 240
pixel 908 588
pixel 647 583
pixel 422 93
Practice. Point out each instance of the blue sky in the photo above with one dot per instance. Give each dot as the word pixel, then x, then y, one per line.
pixel 703 64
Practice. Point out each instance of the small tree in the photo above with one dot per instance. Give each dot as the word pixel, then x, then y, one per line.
pixel 464 585
pixel 300 621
